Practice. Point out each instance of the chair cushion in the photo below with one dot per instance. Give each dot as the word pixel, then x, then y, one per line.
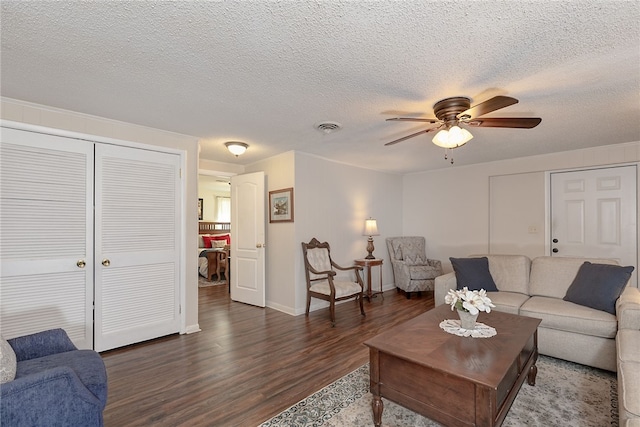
pixel 319 260
pixel 423 272
pixel 343 288
pixel 418 259
pixel 8 362
pixel 567 316
pixel 87 364
pixel 473 273
pixel 598 286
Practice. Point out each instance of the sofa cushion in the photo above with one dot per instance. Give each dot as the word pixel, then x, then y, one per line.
pixel 510 272
pixel 507 302
pixel 473 273
pixel 567 316
pixel 552 276
pixel 598 286
pixel 7 362
pixel 87 364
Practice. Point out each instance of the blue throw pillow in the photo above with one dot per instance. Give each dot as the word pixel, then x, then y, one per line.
pixel 473 273
pixel 598 286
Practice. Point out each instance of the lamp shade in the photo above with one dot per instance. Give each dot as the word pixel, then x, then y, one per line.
pixel 452 138
pixel 236 147
pixel 370 228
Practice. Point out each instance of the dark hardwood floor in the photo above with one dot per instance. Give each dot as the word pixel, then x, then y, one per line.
pixel 248 363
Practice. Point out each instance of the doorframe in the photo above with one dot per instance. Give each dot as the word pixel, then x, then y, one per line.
pixel 89 138
pixel 547 208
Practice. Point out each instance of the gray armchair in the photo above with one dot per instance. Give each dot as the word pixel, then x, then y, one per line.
pixel 412 270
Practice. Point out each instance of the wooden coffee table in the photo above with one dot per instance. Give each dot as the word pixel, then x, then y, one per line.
pixel 456 381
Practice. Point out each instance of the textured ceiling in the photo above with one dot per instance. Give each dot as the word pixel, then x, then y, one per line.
pixel 265 72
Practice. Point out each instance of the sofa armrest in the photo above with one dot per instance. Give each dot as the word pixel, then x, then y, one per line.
pixel 442 286
pixel 52 397
pixel 41 344
pixel 628 309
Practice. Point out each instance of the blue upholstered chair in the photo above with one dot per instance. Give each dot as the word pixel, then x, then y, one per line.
pixel 55 383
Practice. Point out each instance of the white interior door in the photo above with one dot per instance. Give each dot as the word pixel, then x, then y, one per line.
pixel 593 214
pixel 137 225
pixel 248 238
pixel 46 235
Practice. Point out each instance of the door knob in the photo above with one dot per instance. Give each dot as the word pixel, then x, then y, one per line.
pixel 81 263
pixel 555 240
pixel 106 262
pixel 554 250
pixel 259 245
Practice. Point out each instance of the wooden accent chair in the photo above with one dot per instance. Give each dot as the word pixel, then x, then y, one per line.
pixel 321 281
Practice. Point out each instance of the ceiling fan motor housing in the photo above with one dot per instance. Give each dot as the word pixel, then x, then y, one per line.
pixel 448 109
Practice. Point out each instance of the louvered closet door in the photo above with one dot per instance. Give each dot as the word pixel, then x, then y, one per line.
pixel 46 235
pixel 137 221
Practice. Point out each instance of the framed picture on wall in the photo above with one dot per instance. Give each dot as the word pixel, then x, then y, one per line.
pixel 281 205
pixel 199 209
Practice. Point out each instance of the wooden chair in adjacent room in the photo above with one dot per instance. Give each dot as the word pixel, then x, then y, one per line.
pixel 322 283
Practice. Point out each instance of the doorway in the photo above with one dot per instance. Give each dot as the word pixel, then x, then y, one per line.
pixel 593 213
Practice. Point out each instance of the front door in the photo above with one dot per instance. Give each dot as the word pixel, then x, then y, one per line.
pixel 593 214
pixel 248 240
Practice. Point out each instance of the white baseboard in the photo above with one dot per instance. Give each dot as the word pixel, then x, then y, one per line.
pixel 191 329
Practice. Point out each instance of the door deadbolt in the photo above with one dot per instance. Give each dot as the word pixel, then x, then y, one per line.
pixel 106 262
pixel 555 240
pixel 554 250
pixel 81 263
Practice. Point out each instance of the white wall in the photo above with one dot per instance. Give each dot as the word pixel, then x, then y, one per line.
pixel 451 206
pixel 332 202
pixel 41 115
pixel 279 280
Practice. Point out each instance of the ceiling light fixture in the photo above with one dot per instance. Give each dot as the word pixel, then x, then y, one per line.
pixel 236 147
pixel 454 137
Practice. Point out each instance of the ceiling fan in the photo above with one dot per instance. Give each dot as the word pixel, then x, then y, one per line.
pixel 452 112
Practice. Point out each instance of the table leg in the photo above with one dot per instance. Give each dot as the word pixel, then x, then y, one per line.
pixel 378 407
pixel 531 377
pixel 369 293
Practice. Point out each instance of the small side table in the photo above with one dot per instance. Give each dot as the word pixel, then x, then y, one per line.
pixel 368 263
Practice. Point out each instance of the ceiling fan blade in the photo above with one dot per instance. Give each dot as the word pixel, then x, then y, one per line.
pixel 493 104
pixel 410 136
pixel 508 122
pixel 412 119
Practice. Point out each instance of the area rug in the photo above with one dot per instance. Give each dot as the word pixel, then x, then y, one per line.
pixel 565 394
pixel 203 282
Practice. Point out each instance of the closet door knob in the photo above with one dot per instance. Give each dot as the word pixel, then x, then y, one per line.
pixel 81 263
pixel 106 262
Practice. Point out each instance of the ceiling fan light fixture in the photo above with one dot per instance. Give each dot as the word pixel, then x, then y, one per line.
pixel 236 147
pixel 452 138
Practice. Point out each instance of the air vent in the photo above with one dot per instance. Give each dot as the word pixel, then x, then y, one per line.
pixel 328 127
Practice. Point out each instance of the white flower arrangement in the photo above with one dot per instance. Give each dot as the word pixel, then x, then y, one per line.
pixel 471 301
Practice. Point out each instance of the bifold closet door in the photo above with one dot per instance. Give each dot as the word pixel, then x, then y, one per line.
pixel 46 235
pixel 137 223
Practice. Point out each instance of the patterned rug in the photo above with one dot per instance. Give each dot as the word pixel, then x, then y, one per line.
pixel 203 282
pixel 565 394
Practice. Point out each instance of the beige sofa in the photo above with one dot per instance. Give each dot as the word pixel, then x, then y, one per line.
pixel 628 357
pixel 569 331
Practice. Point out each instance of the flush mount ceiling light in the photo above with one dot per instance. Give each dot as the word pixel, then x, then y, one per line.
pixel 328 127
pixel 236 147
